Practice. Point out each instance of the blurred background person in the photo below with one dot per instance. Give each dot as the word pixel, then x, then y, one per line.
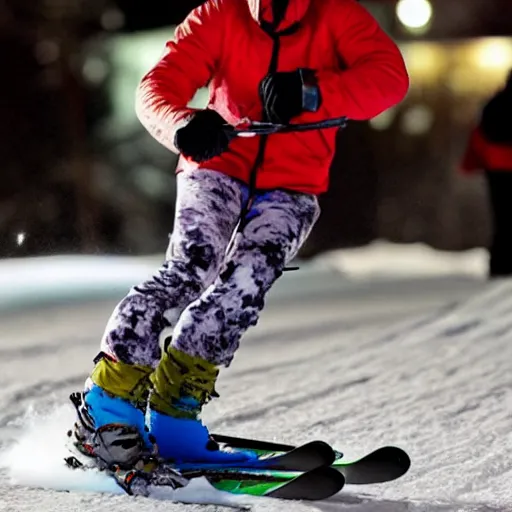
pixel 490 151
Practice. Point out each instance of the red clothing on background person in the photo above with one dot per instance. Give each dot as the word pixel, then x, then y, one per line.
pixel 359 69
pixel 482 154
pixel 489 151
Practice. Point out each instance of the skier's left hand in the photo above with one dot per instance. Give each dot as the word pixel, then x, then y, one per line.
pixel 286 94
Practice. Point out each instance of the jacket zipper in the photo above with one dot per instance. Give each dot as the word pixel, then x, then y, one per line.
pixel 260 155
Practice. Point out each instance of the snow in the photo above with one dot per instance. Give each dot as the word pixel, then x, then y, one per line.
pixel 27 281
pixel 371 346
pixel 36 461
pixel 380 259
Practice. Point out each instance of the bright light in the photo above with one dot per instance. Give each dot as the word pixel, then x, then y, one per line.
pixel 20 238
pixel 414 14
pixel 426 61
pixel 493 53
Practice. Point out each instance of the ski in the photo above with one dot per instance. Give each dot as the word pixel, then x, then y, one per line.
pixel 302 458
pixel 382 465
pixel 316 484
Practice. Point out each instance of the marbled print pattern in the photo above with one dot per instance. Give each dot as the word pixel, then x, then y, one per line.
pixel 208 207
pixel 208 297
pixel 211 327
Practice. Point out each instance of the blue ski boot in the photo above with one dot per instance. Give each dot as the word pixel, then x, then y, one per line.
pixel 182 384
pixel 111 415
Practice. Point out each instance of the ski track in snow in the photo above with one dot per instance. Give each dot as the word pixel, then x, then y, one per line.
pixel 421 363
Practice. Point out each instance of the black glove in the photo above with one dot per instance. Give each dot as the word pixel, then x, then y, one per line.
pixel 287 94
pixel 203 137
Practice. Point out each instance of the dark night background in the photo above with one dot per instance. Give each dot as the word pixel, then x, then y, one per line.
pixel 80 174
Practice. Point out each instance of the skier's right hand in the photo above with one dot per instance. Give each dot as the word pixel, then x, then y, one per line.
pixel 203 137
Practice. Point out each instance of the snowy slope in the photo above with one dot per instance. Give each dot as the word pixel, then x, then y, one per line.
pixel 420 359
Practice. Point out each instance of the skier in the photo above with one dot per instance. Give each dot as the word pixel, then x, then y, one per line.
pixel 272 60
pixel 490 150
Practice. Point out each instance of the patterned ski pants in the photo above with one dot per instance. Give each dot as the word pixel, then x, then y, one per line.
pixel 209 295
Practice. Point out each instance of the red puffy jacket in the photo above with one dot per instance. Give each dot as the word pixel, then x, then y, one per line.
pixel 482 154
pixel 359 68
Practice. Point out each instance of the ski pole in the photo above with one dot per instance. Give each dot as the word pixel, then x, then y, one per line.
pixel 262 128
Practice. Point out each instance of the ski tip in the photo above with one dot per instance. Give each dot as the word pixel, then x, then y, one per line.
pixel 393 455
pixel 383 465
pixel 322 448
pixel 317 484
pixel 308 456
